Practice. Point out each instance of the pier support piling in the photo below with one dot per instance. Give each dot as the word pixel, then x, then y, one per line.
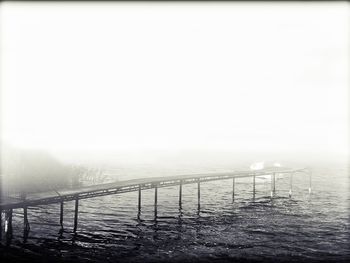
pixel 233 190
pixel 139 202
pixel 155 200
pixel 199 194
pixel 180 195
pixel 76 214
pixel 290 184
pixel 273 184
pixel 0 224
pixel 61 214
pixel 310 175
pixel 25 219
pixel 8 224
pixel 254 187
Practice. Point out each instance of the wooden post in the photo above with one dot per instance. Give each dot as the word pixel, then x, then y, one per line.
pixel 180 195
pixel 290 184
pixel 0 224
pixel 139 203
pixel 61 214
pixel 273 188
pixel 233 189
pixel 254 186
pixel 199 194
pixel 76 213
pixel 310 175
pixel 10 221
pixel 0 209
pixel 155 200
pixel 25 218
pixel 8 226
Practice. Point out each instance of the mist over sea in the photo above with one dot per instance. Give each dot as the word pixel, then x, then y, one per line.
pixel 99 92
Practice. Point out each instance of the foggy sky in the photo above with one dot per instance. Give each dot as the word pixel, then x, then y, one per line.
pixel 170 76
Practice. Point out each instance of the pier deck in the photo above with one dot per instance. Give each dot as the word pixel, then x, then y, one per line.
pixel 57 196
pixel 63 195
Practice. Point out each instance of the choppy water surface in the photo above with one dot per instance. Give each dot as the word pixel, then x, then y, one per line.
pixel 304 228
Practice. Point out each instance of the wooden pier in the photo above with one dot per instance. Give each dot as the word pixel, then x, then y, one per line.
pixel 60 196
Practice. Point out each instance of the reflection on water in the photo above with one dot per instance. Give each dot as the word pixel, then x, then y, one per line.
pixel 301 228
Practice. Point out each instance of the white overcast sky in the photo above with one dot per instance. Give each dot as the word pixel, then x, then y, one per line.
pixel 145 76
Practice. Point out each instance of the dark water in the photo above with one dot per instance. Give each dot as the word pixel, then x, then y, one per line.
pixel 303 228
